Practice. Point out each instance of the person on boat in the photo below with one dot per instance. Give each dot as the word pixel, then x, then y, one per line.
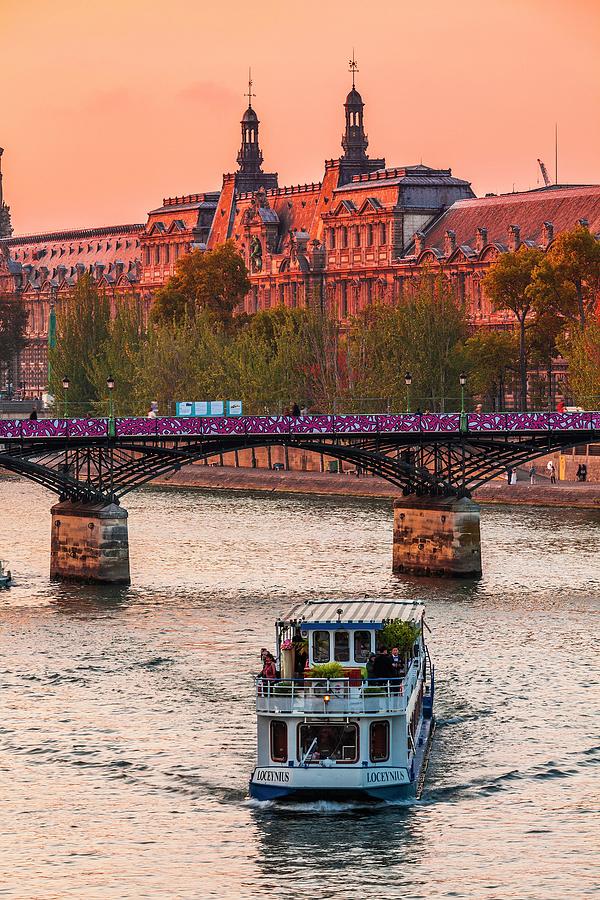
pixel 269 672
pixel 396 662
pixel 383 667
pixel 369 667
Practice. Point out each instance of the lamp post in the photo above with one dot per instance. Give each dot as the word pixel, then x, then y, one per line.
pixel 110 384
pixel 408 382
pixel 462 378
pixel 65 384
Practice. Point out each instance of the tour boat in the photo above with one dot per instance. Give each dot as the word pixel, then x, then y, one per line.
pixel 328 729
pixel 5 576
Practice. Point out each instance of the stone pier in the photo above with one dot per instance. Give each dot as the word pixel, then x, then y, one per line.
pixel 89 542
pixel 437 536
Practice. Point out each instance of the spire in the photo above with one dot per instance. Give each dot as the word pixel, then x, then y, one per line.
pixel 250 158
pixel 6 229
pixel 354 141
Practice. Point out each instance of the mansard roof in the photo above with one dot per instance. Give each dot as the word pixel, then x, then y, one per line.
pixel 419 175
pixel 561 205
pixel 54 257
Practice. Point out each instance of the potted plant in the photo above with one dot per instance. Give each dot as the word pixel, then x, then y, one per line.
pixel 324 674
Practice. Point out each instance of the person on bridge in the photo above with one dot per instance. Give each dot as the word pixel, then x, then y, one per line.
pixel 33 414
pixel 295 410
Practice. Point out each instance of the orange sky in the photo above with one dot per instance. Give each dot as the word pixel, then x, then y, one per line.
pixel 108 107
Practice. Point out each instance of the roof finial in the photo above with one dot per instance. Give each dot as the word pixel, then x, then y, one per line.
pixel 353 67
pixel 250 95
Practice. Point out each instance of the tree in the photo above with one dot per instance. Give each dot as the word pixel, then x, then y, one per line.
pixel 434 328
pixel 543 332
pixel 119 358
pixel 489 357
pixel 13 320
pixel 215 281
pixel 567 279
pixel 83 328
pixel 583 357
pixel 506 284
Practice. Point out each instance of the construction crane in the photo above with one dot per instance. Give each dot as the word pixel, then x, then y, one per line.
pixel 544 172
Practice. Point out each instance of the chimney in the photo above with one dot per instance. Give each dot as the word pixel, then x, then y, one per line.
pixel 547 234
pixel 514 237
pixel 481 239
pixel 584 223
pixel 419 240
pixel 449 242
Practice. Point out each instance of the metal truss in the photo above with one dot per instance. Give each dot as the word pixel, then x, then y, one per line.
pixel 101 470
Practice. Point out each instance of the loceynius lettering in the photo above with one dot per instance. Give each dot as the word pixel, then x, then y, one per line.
pixel 385 777
pixel 279 775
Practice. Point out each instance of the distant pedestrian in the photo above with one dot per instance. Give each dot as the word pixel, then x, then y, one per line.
pixel 582 472
pixel 479 409
pixel 33 414
pixel 153 411
pixel 551 472
pixel 509 473
pixel 296 410
pixel 304 410
pixel 532 474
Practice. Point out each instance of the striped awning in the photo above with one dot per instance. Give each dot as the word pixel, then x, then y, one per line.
pixel 347 611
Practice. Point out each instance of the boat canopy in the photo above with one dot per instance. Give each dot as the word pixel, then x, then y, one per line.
pixel 352 612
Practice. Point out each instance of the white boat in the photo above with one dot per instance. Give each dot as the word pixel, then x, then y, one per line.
pixel 345 735
pixel 5 576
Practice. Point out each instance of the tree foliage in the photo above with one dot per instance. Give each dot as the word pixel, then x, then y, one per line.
pixel 491 358
pixel 83 328
pixel 13 320
pixel 566 280
pixel 215 281
pixel 507 285
pixel 583 357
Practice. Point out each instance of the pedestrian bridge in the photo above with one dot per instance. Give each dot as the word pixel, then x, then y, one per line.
pixel 435 460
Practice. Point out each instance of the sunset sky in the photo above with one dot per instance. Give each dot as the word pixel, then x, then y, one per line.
pixel 108 107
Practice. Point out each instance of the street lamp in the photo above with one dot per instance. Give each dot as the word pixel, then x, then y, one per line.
pixel 65 384
pixel 462 379
pixel 408 382
pixel 110 384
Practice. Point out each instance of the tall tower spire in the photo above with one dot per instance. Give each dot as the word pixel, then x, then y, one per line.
pixel 250 158
pixel 6 229
pixel 354 141
pixel 355 160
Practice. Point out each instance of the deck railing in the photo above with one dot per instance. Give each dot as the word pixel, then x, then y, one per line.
pixel 335 696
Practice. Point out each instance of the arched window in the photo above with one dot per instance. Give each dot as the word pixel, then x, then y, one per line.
pixel 332 238
pixel 356 236
pixel 382 234
pixel 157 255
pixel 369 235
pixel 167 253
pixel 344 236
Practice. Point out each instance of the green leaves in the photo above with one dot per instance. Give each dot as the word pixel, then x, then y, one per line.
pixel 400 634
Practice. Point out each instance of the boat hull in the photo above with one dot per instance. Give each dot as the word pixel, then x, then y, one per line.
pixel 374 784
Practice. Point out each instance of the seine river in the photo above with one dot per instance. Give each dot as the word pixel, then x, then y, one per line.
pixel 127 725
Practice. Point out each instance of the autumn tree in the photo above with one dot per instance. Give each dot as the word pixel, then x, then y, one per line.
pixel 507 285
pixel 215 281
pixel 13 320
pixel 567 278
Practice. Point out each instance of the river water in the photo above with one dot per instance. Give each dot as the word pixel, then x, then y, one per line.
pixel 127 725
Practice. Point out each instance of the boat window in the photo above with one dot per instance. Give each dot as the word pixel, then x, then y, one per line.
pixel 337 742
pixel 321 646
pixel 379 741
pixel 341 644
pixel 362 645
pixel 279 741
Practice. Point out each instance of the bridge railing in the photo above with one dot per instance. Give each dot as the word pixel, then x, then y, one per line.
pixel 326 425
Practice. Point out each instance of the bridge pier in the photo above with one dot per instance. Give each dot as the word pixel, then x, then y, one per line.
pixel 89 542
pixel 437 536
